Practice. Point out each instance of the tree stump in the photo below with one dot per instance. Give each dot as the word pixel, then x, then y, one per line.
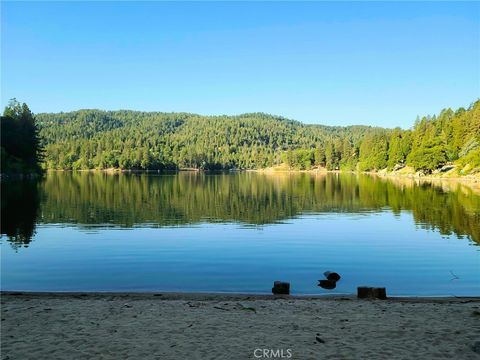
pixel 380 293
pixel 366 292
pixel 332 276
pixel 280 287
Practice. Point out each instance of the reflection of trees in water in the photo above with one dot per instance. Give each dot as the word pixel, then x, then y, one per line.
pixel 20 204
pixel 251 198
pixel 91 199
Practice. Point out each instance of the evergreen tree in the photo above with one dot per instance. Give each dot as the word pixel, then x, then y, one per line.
pixel 20 145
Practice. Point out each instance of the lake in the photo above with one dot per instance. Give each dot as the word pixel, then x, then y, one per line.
pixel 238 232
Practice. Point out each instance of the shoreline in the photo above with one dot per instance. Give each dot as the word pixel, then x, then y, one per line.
pixel 397 175
pixel 467 178
pixel 235 326
pixel 219 296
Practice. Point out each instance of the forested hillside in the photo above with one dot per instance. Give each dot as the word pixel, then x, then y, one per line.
pixel 88 139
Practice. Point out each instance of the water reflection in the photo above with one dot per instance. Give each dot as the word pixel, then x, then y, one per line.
pixel 20 205
pixel 125 200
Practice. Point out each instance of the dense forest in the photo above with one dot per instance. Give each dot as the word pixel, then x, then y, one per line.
pixel 94 139
pixel 21 152
pixel 89 139
pixel 136 140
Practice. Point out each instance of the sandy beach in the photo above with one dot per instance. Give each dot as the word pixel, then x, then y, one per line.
pixel 208 326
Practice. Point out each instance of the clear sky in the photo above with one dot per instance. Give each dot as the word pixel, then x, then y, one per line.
pixel 375 63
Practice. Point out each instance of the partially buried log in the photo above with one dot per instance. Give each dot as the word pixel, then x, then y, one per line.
pixel 327 284
pixel 332 276
pixel 281 287
pixel 366 292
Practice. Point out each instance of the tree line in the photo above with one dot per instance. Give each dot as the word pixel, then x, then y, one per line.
pixel 133 140
pixel 88 139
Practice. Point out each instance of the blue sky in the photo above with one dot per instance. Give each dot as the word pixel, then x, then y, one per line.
pixel 376 63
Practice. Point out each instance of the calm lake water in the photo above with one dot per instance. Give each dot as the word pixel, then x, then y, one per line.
pixel 238 232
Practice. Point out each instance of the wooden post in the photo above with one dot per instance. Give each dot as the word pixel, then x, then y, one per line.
pixel 280 287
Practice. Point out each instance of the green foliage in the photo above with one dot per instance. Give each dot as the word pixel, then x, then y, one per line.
pixel 429 158
pixel 299 159
pixel 331 156
pixel 373 152
pixel 319 156
pixel 348 155
pixel 439 140
pixel 399 146
pixel 20 146
pixel 469 146
pixel 472 159
pixel 88 139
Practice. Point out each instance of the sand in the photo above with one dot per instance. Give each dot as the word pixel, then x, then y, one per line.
pixel 202 326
